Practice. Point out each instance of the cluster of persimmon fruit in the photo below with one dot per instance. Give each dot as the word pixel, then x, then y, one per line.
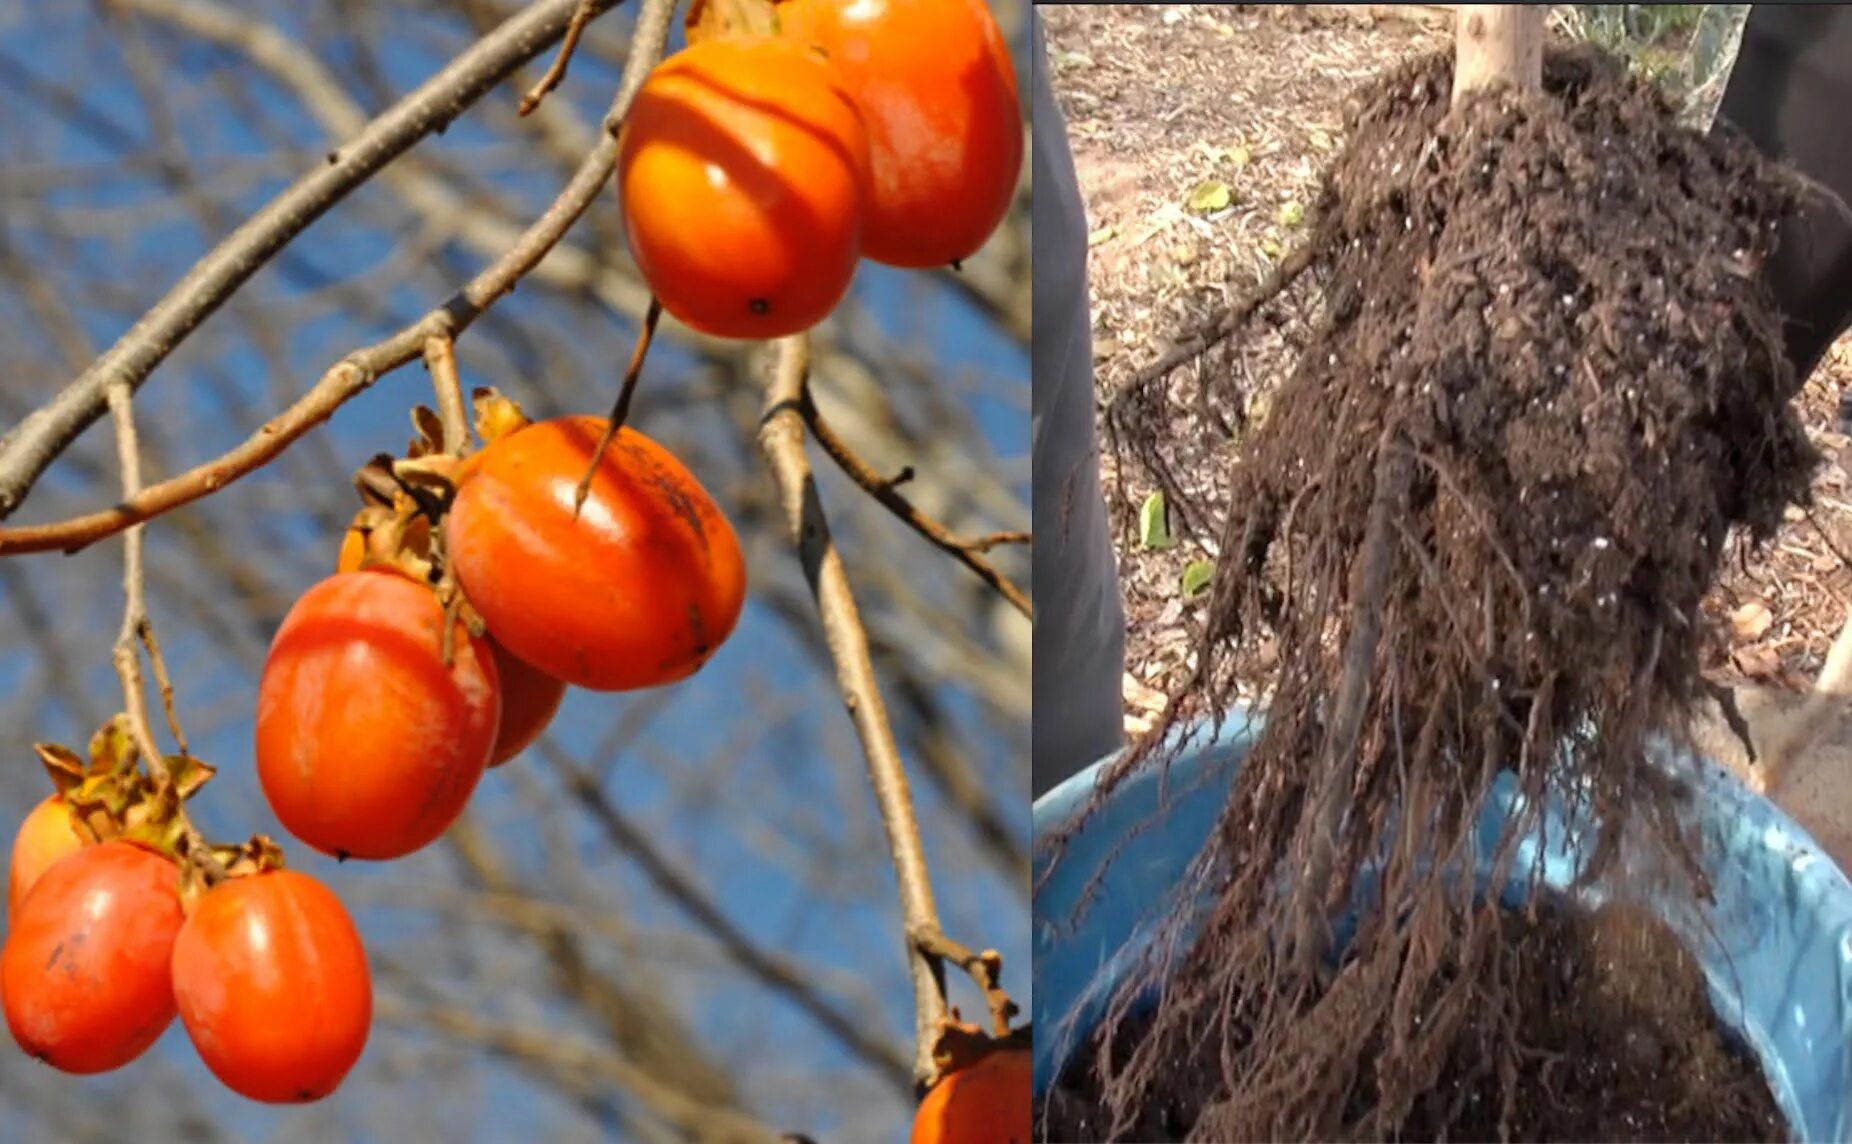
pixel 120 920
pixel 793 138
pixel 389 689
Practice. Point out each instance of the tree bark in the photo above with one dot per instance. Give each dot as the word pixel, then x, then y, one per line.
pixel 1496 43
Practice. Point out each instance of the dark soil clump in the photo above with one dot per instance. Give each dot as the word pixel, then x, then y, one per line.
pixel 1543 384
pixel 1615 1041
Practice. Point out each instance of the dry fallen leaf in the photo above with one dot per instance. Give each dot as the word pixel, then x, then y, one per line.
pixel 1751 620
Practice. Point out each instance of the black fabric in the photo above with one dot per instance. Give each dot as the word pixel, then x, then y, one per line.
pixel 1079 642
pixel 1791 93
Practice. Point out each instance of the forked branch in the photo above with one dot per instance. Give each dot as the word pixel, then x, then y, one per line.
pixel 31 446
pixel 781 440
pixel 357 371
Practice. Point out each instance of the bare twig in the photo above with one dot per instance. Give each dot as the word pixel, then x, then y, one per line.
pixel 620 411
pixel 781 439
pixel 966 551
pixel 984 968
pixel 778 976
pixel 440 358
pixel 138 629
pixel 698 1119
pixel 362 368
pixel 30 447
pixel 556 71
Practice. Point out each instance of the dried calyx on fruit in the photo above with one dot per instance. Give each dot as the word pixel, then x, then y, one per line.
pixel 983 1093
pixel 110 795
pixel 393 531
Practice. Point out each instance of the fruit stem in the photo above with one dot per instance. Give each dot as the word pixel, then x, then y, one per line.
pixel 620 412
pixel 137 628
pixel 440 358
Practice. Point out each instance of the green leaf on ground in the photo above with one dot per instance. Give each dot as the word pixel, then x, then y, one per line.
pixel 1209 196
pixel 1154 524
pixel 1196 577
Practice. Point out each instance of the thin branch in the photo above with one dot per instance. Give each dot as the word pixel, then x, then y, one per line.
pixel 699 1119
pixel 440 358
pixel 27 450
pixel 984 968
pixel 776 975
pixel 966 551
pixel 556 72
pixel 620 412
pixel 137 628
pixel 360 369
pixel 781 440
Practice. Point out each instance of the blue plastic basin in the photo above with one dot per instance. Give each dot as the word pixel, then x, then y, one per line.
pixel 1778 955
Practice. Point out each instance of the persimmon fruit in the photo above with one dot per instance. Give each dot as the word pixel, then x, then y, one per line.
pixel 272 984
pixel 987 1102
pixel 743 167
pixel 368 746
pixel 638 590
pixel 47 835
pixel 938 93
pixel 530 697
pixel 86 974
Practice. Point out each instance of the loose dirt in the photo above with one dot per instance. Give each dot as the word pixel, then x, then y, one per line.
pixel 1616 1042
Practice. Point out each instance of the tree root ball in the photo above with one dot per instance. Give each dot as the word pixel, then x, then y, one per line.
pixel 1542 384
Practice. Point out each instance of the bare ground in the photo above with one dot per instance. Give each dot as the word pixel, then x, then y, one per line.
pixel 1166 105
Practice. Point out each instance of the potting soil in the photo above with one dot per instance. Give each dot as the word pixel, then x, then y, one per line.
pixel 1614 1040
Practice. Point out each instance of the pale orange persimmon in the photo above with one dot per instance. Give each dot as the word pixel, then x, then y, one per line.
pixel 47 835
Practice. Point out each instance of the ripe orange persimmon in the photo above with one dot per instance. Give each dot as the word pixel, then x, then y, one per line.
pixel 367 745
pixel 46 836
pixel 742 170
pixel 938 92
pixel 530 697
pixel 984 1103
pixel 86 973
pixel 639 590
pixel 273 987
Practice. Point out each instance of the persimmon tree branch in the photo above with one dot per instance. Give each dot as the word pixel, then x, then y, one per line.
pixel 781 440
pixel 30 447
pixel 440 358
pixel 359 370
pixel 138 630
pixel 556 71
pixel 966 550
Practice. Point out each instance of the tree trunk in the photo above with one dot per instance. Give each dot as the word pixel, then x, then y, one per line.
pixel 1498 43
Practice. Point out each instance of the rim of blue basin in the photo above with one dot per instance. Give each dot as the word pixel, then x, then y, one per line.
pixel 1776 952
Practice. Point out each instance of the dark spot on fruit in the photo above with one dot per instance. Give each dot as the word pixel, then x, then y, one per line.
pixel 52 961
pixel 759 306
